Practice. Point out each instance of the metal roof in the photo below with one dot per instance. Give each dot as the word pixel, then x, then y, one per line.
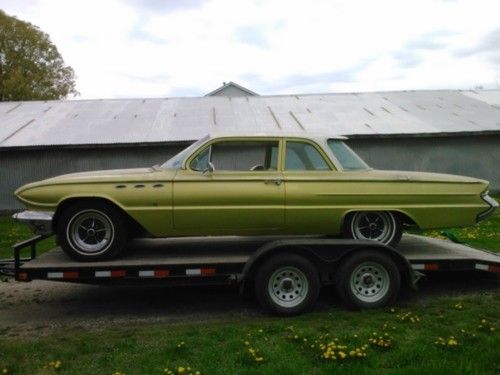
pixel 128 121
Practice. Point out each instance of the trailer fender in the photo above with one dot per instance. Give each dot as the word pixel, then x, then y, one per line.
pixel 326 255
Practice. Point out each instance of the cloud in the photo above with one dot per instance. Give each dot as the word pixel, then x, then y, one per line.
pixel 139 48
pixel 164 6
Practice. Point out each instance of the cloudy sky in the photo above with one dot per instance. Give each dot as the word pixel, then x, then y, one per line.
pixel 159 48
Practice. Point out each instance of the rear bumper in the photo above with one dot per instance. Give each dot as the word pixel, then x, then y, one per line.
pixel 490 211
pixel 39 221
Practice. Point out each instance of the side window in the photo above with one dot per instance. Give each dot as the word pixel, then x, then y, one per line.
pixel 200 162
pixel 239 156
pixel 301 156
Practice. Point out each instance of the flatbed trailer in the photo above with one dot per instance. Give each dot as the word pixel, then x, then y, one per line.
pixel 276 267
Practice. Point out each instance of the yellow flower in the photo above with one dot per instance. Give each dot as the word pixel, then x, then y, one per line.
pixel 452 342
pixel 259 359
pixel 342 355
pixel 247 343
pixel 5 371
pixel 181 370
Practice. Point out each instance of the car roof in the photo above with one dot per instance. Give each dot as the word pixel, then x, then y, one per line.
pixel 281 134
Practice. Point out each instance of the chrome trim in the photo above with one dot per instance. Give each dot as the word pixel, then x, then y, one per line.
pixel 490 211
pixel 39 221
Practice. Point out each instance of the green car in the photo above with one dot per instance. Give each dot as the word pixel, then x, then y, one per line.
pixel 249 185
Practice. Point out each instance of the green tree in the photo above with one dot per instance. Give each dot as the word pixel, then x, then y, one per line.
pixel 31 67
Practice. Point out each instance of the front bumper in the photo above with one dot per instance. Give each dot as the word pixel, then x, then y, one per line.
pixel 39 221
pixel 490 211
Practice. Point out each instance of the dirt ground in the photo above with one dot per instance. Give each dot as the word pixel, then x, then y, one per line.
pixel 40 307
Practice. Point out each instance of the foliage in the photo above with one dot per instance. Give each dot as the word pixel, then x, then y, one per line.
pixel 31 67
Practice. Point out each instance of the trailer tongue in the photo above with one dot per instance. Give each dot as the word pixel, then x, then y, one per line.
pixel 285 272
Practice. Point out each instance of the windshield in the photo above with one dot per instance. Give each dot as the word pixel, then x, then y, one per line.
pixel 177 161
pixel 345 156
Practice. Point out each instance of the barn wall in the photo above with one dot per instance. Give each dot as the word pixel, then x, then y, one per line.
pixel 476 156
pixel 21 167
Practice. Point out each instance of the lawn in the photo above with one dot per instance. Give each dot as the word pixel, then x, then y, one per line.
pixel 444 336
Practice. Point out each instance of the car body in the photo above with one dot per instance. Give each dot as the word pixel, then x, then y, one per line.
pixel 257 185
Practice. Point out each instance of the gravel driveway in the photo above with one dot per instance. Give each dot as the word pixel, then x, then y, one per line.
pixel 39 307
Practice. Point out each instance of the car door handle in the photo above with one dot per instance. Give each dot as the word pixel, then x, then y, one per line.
pixel 276 181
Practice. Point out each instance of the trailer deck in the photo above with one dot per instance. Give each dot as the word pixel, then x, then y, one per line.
pixel 223 259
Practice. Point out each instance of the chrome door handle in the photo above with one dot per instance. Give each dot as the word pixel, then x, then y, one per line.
pixel 276 181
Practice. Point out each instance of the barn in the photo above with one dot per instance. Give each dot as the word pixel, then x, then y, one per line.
pixel 447 131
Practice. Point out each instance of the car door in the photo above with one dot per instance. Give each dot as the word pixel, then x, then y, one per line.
pixel 244 193
pixel 309 175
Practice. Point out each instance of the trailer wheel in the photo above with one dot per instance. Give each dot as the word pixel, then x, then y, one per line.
pixel 368 280
pixel 287 284
pixel 88 231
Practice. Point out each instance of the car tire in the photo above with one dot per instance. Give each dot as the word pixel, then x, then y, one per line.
pixel 91 231
pixel 368 279
pixel 381 226
pixel 287 284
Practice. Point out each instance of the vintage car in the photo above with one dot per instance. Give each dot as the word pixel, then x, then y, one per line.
pixel 249 185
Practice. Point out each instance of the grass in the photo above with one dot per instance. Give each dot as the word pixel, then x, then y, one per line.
pixel 12 232
pixel 485 235
pixel 444 336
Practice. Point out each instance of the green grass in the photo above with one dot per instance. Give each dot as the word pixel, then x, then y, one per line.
pixel 12 232
pixel 286 345
pixel 485 235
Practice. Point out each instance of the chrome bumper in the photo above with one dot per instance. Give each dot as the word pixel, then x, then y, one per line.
pixel 490 211
pixel 39 221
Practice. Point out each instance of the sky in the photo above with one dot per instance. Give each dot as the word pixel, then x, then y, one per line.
pixel 167 48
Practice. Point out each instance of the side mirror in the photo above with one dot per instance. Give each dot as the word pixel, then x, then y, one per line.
pixel 209 169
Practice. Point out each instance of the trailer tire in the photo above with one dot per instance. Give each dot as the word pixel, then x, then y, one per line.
pixel 90 231
pixel 368 279
pixel 287 284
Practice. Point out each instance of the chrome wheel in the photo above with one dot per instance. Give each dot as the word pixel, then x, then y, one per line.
pixel 370 282
pixel 378 226
pixel 288 286
pixel 90 232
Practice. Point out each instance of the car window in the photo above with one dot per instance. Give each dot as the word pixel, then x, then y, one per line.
pixel 200 162
pixel 346 157
pixel 301 156
pixel 239 156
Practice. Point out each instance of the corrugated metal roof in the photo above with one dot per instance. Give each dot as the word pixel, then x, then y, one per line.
pixel 123 121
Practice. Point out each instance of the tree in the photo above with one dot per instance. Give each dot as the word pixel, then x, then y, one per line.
pixel 31 67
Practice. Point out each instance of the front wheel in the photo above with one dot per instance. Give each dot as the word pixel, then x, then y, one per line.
pixel 287 284
pixel 89 231
pixel 381 226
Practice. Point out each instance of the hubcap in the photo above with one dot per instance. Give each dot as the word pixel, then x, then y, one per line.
pixel 370 282
pixel 90 232
pixel 288 286
pixel 378 226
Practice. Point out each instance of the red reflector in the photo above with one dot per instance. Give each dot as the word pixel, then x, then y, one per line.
pixel 431 267
pixel 494 269
pixel 22 276
pixel 207 271
pixel 118 273
pixel 70 275
pixel 162 273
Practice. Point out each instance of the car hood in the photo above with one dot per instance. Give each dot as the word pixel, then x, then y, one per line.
pixel 112 175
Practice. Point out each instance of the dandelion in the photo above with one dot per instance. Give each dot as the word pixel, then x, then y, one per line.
pixel 181 370
pixel 5 371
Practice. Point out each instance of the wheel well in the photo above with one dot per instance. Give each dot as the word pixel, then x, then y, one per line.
pixel 403 217
pixel 297 250
pixel 133 227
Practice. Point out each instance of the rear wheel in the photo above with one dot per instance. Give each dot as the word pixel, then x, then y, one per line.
pixel 381 226
pixel 287 284
pixel 368 279
pixel 89 231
